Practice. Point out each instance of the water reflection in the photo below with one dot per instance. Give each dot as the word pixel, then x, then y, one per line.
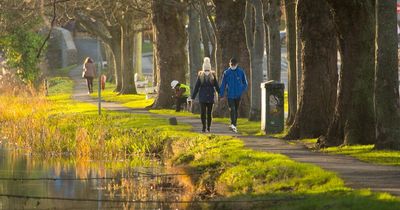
pixel 34 183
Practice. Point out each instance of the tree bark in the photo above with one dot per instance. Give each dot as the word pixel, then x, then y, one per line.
pixel 205 37
pixel 155 79
pixel 170 43
pixel 318 92
pixel 255 34
pixel 353 121
pixel 299 62
pixel 290 12
pixel 208 24
pixel 231 42
pixel 127 57
pixel 274 47
pixel 387 103
pixel 116 49
pixel 138 53
pixel 195 60
pixel 110 64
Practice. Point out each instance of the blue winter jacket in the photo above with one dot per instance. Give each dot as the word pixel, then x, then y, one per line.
pixel 234 81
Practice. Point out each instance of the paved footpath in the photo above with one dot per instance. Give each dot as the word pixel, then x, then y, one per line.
pixel 355 173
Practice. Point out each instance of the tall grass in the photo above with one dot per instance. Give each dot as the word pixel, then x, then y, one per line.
pixel 57 126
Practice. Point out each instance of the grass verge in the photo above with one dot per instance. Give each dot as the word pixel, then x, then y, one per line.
pixel 221 167
pixel 365 153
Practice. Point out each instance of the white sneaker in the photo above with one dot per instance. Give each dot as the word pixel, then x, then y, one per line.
pixel 233 128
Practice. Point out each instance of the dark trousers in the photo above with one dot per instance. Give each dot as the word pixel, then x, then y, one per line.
pixel 206 110
pixel 179 101
pixel 234 107
pixel 89 82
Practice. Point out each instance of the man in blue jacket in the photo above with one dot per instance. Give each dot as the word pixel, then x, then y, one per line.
pixel 235 82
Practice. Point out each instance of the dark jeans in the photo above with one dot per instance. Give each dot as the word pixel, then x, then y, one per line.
pixel 179 101
pixel 206 108
pixel 234 106
pixel 89 82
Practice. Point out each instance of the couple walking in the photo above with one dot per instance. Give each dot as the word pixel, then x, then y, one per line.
pixel 233 81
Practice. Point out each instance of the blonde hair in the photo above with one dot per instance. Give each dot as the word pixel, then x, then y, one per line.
pixel 203 77
pixel 88 60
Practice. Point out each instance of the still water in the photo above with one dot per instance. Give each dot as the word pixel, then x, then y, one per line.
pixel 35 183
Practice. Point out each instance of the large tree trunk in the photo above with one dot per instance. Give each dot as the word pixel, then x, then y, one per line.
pixel 231 42
pixel 273 19
pixel 171 59
pixel 387 103
pixel 127 57
pixel 290 12
pixel 255 34
pixel 195 60
pixel 353 121
pixel 111 73
pixel 116 49
pixel 318 92
pixel 299 62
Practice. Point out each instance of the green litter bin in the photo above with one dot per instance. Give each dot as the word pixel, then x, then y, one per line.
pixel 272 107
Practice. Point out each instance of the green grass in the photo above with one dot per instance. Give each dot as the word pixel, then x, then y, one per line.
pixel 172 112
pixel 224 168
pixel 368 154
pixel 135 101
pixel 57 126
pixel 228 170
pixel 365 153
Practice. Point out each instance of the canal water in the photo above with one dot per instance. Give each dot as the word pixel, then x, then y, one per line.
pixel 37 183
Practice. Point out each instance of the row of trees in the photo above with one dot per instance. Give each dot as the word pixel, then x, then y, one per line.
pixel 359 104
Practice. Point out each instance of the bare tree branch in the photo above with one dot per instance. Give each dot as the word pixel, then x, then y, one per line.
pixel 51 28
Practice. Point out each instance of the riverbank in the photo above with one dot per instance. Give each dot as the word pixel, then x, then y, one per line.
pixel 220 167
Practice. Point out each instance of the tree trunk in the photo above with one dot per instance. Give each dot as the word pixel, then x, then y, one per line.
pixel 111 73
pixel 255 34
pixel 116 49
pixel 170 43
pixel 353 121
pixel 195 59
pixel 387 103
pixel 290 12
pixel 267 59
pixel 155 79
pixel 138 53
pixel 231 42
pixel 208 24
pixel 194 45
pixel 274 46
pixel 205 37
pixel 299 62
pixel 318 92
pixel 127 43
